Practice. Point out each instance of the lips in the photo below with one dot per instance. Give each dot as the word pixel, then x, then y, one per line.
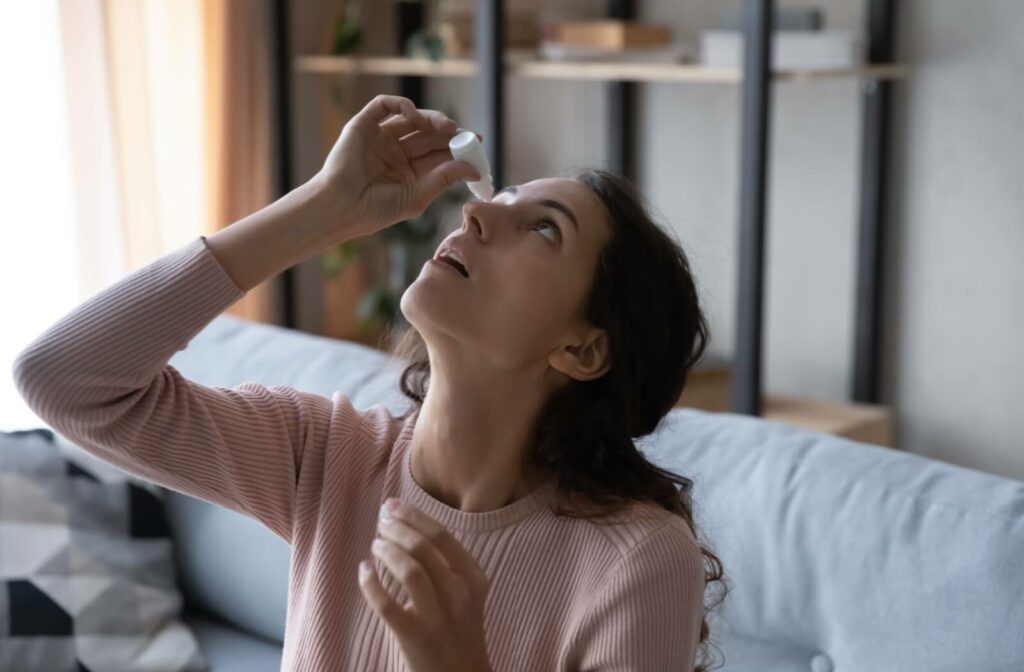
pixel 449 254
pixel 454 264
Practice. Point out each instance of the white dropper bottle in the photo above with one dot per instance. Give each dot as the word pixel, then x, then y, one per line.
pixel 467 147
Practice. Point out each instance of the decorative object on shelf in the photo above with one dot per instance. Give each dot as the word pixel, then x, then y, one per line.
pixel 791 49
pixel 611 41
pixel 425 43
pixel 346 39
pixel 456 29
pixel 609 34
pixel 798 43
pixel 347 33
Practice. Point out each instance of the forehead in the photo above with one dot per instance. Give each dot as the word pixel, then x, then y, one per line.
pixel 573 194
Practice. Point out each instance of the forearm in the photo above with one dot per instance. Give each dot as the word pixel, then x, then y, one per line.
pixel 303 222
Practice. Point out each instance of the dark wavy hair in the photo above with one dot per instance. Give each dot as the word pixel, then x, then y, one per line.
pixel 645 297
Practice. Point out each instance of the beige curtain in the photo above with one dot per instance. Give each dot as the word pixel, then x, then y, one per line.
pixel 239 124
pixel 170 114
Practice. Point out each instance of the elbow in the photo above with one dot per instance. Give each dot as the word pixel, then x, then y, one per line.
pixel 66 398
pixel 30 375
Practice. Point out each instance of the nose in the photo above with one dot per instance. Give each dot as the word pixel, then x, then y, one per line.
pixel 478 217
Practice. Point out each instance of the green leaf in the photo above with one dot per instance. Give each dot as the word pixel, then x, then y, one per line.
pixel 376 305
pixel 348 250
pixel 330 265
pixel 347 36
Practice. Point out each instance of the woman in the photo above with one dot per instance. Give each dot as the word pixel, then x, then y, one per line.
pixel 556 325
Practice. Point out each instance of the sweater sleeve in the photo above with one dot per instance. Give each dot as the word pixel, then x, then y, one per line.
pixel 100 377
pixel 646 616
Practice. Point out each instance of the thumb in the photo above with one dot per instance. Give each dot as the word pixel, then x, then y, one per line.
pixel 443 176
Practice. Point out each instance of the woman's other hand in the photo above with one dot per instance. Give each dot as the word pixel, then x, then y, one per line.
pixel 390 161
pixel 442 627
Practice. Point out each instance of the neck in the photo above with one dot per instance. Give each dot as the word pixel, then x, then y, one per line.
pixel 470 442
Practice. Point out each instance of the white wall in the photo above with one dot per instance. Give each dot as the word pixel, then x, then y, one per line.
pixel 958 373
pixel 954 363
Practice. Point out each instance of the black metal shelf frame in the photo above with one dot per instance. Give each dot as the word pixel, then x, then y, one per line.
pixel 754 157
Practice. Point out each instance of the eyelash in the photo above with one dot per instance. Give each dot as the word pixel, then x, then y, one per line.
pixel 552 225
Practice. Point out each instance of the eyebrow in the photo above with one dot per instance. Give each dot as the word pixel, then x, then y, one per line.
pixel 512 189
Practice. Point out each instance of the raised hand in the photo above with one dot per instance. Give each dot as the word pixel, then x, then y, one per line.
pixel 390 161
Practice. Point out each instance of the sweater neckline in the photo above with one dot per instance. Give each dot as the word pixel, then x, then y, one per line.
pixel 453 518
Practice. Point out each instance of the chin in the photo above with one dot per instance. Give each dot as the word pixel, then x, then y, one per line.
pixel 428 311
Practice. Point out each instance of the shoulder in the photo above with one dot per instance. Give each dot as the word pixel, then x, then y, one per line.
pixel 642 526
pixel 376 424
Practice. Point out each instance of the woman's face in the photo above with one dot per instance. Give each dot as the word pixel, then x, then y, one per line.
pixel 531 254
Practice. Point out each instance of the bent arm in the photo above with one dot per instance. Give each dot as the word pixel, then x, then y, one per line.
pixel 100 375
pixel 303 222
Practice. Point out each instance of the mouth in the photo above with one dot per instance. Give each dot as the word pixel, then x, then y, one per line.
pixel 451 258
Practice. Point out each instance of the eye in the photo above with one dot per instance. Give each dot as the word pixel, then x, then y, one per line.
pixel 550 225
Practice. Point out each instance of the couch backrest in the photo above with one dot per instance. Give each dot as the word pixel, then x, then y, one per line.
pixel 878 558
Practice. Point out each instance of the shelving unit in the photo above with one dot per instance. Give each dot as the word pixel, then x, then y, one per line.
pixel 492 64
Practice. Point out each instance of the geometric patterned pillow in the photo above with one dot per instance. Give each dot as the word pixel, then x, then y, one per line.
pixel 87 577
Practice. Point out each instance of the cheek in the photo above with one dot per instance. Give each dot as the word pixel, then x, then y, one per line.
pixel 529 306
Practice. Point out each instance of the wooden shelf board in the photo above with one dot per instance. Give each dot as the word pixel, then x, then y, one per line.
pixel 710 390
pixel 531 68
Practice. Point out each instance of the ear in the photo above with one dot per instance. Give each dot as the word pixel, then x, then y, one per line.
pixel 585 358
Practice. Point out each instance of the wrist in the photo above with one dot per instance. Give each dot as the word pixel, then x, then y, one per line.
pixel 331 214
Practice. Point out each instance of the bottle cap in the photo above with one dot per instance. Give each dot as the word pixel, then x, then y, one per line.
pixel 467 147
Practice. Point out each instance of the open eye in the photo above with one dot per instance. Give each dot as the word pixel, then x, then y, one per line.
pixel 550 225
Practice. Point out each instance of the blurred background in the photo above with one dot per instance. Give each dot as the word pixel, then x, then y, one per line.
pixel 130 127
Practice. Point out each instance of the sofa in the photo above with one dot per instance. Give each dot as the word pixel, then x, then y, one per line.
pixel 839 555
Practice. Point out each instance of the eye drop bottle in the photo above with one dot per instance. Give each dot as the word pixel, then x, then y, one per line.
pixel 467 147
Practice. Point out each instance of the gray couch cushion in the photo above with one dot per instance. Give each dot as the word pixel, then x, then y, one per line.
pixel 230 565
pixel 231 650
pixel 877 559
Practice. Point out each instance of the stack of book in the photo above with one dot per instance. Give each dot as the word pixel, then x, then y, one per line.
pixel 610 40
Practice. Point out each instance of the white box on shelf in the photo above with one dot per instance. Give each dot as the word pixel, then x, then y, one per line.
pixel 791 50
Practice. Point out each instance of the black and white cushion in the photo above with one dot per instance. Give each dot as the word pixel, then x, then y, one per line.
pixel 87 577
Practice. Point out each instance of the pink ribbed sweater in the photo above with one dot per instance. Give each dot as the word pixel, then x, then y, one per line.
pixel 565 594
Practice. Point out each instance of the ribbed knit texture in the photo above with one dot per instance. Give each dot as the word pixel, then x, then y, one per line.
pixel 565 594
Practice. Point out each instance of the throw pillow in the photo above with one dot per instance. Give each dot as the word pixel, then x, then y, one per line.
pixel 87 577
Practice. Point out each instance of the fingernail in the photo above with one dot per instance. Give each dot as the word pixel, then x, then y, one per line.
pixel 384 513
pixel 377 546
pixel 364 570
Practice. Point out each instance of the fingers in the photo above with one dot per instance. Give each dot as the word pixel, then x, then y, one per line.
pixel 390 611
pixel 415 579
pixel 418 144
pixel 454 553
pixel 440 177
pixel 424 164
pixel 378 109
pixel 399 126
pixel 419 563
